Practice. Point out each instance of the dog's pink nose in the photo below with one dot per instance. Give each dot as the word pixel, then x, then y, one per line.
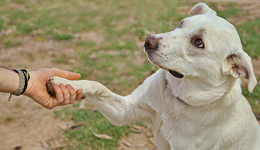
pixel 151 43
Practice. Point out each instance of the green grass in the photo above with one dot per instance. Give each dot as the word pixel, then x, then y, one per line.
pixel 253 98
pixel 8 118
pixel 122 25
pixel 249 32
pixel 87 44
pixel 62 59
pixel 61 37
pixel 228 9
pixel 117 18
pixel 9 43
pixel 83 137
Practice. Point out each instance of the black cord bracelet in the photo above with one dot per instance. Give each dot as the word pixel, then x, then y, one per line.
pixel 27 78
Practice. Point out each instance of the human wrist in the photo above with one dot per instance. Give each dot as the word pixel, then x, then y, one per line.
pixel 24 77
pixel 23 83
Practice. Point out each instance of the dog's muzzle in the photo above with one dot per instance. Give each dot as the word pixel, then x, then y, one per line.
pixel 152 44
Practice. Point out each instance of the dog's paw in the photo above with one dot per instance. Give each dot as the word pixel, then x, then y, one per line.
pixel 49 86
pixel 54 80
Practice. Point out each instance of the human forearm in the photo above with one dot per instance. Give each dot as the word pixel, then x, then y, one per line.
pixel 9 80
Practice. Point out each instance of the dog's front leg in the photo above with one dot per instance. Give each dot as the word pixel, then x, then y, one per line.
pixel 118 109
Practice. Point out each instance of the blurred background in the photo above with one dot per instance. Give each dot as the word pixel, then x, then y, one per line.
pixel 103 41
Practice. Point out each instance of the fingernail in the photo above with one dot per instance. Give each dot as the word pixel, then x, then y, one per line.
pixel 69 87
pixel 61 86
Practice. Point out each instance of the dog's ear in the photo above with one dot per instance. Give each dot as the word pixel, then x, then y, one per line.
pixel 240 65
pixel 201 8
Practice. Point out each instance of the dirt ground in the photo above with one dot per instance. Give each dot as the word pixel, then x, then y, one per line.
pixel 26 125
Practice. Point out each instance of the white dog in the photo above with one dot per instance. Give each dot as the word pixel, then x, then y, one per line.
pixel 194 101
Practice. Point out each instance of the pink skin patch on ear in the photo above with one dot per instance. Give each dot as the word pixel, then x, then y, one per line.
pixel 240 71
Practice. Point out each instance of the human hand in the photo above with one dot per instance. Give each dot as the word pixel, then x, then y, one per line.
pixel 37 89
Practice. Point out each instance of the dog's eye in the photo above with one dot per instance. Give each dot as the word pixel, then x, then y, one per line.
pixel 199 43
pixel 180 26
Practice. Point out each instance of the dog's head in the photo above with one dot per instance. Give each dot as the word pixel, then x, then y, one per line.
pixel 204 47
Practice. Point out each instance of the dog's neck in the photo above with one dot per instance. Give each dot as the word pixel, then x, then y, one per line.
pixel 182 101
pixel 195 93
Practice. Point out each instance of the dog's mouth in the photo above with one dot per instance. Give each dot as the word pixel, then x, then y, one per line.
pixel 176 74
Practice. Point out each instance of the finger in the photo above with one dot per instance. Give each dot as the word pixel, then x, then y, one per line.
pixel 79 94
pixel 72 93
pixel 59 94
pixel 66 94
pixel 66 74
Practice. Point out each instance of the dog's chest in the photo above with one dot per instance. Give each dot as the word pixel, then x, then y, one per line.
pixel 183 133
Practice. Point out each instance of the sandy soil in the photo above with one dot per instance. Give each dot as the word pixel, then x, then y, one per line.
pixel 26 125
